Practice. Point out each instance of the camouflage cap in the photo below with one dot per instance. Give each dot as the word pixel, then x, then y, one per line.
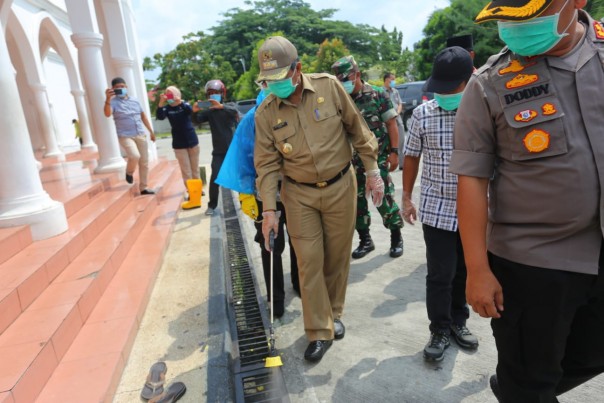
pixel 275 58
pixel 512 10
pixel 344 66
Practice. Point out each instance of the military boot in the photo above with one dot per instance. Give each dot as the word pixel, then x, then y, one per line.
pixel 365 245
pixel 396 243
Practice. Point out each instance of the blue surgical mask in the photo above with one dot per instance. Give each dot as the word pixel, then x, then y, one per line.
pixel 533 37
pixel 216 97
pixel 170 101
pixel 282 88
pixel 448 102
pixel 348 86
pixel 392 83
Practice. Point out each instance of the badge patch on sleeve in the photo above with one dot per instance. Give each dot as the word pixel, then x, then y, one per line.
pixel 536 141
pixel 599 30
pixel 521 80
pixel 549 109
pixel 525 116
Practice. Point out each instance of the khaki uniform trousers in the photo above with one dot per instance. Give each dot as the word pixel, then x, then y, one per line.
pixel 188 161
pixel 136 151
pixel 321 226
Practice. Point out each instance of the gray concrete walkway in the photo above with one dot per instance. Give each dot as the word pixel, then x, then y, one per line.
pixel 379 360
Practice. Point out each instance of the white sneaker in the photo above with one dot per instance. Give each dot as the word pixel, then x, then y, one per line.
pixel 209 211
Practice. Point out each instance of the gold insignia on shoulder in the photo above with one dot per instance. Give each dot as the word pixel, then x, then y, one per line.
pixel 548 109
pixel 320 100
pixel 514 67
pixel 279 121
pixel 521 80
pixel 287 148
pixel 536 141
pixel 525 116
pixel 599 30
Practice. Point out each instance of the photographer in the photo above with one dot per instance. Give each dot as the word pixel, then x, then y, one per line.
pixel 129 119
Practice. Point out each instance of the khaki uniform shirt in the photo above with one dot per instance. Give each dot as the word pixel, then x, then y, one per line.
pixel 535 127
pixel 312 141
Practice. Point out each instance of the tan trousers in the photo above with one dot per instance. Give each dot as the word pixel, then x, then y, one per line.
pixel 320 224
pixel 136 151
pixel 188 160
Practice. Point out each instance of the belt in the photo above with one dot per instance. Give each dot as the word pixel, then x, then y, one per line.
pixel 324 183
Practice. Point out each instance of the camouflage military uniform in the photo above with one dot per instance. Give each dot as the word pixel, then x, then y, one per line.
pixel 376 108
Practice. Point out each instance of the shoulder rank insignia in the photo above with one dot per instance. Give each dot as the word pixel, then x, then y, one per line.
pixel 521 80
pixel 525 116
pixel 514 67
pixel 599 30
pixel 548 109
pixel 536 141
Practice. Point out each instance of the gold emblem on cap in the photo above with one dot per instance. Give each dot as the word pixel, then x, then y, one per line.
pixel 287 148
pixel 320 100
pixel 531 9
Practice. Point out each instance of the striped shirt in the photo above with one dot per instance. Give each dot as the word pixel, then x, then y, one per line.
pixel 431 136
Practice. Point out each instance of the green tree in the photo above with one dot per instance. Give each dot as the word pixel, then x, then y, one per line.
pixel 328 53
pixel 457 19
pixel 595 8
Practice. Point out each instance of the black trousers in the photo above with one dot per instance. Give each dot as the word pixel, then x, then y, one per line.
pixel 550 335
pixel 446 279
pixel 279 291
pixel 214 188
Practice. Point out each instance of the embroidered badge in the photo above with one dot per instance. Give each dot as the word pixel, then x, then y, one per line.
pixel 521 80
pixel 549 109
pixel 287 148
pixel 599 29
pixel 514 67
pixel 525 116
pixel 267 60
pixel 536 141
pixel 320 100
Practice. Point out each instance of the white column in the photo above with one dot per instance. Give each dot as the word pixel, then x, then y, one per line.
pixel 123 68
pixel 80 102
pixel 44 114
pixel 23 201
pixel 93 79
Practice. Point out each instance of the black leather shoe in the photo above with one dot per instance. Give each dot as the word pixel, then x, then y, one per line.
pixel 397 249
pixel 147 192
pixel 129 178
pixel 495 388
pixel 316 350
pixel 338 329
pixel 365 246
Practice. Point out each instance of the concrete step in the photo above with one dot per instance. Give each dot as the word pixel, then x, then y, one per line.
pixel 55 284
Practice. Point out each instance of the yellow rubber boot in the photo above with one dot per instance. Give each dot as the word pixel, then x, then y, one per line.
pixel 194 188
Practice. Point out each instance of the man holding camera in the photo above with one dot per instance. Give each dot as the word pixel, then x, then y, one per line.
pixel 222 119
pixel 129 119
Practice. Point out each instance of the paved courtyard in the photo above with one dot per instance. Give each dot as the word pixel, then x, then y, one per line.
pixel 379 360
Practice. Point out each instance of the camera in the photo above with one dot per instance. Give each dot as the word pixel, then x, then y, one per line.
pixel 204 104
pixel 169 95
pixel 118 91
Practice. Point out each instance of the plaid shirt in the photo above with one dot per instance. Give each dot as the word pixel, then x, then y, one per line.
pixel 431 135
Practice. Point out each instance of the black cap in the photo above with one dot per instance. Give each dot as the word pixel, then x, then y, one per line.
pixel 451 67
pixel 463 41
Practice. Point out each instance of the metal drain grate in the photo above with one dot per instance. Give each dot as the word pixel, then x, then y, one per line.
pixel 248 319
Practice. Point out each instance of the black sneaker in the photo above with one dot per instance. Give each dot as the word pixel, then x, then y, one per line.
pixel 129 179
pixel 435 349
pixel 147 192
pixel 464 337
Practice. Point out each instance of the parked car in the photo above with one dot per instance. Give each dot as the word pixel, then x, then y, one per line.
pixel 245 105
pixel 412 96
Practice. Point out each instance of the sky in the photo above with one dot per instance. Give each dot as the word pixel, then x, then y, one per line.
pixel 161 24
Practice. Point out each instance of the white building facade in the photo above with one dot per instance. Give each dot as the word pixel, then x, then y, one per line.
pixel 57 58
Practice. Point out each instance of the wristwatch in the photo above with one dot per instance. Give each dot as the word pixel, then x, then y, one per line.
pixel 394 150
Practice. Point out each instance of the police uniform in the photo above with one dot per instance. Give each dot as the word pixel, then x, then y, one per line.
pixel 311 144
pixel 534 127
